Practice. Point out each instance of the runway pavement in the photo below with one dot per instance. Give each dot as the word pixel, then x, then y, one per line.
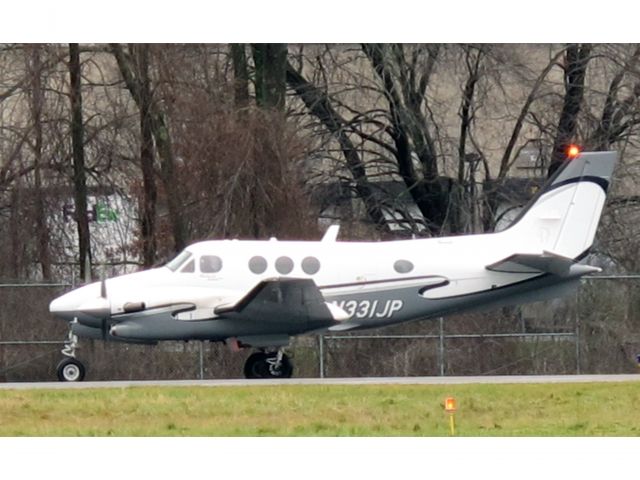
pixel 331 381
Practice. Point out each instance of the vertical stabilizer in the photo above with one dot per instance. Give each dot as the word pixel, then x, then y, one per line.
pixel 563 216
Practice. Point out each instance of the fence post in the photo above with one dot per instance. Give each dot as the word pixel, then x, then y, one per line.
pixel 201 359
pixel 577 335
pixel 441 347
pixel 321 355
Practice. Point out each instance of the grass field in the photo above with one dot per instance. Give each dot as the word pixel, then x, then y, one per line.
pixel 387 410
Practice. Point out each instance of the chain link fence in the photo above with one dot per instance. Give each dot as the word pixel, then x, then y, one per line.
pixel 597 330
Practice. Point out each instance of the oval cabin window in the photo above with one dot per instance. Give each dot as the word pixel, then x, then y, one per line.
pixel 310 265
pixel 403 266
pixel 257 264
pixel 284 265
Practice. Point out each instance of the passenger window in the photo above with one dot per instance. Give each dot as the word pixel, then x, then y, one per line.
pixel 189 267
pixel 310 265
pixel 257 265
pixel 210 264
pixel 284 265
pixel 403 266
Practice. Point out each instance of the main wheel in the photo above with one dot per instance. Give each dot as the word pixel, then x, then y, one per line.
pixel 70 370
pixel 256 366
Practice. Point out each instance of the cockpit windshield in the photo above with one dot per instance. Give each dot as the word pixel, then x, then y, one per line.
pixel 180 260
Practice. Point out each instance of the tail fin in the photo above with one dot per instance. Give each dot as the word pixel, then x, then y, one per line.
pixel 563 216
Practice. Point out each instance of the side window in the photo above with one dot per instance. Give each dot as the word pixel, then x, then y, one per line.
pixel 210 264
pixel 403 266
pixel 284 265
pixel 189 267
pixel 310 265
pixel 257 265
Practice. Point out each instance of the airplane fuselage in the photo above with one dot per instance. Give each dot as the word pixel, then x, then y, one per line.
pixel 373 283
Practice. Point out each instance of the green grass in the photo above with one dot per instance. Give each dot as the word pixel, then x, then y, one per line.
pixel 400 410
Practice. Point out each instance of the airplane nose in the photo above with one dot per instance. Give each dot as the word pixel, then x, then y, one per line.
pixel 63 307
pixel 84 304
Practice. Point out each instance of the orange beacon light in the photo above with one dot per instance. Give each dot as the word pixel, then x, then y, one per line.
pixel 573 151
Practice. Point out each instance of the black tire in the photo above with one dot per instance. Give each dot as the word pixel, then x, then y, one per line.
pixel 70 370
pixel 256 366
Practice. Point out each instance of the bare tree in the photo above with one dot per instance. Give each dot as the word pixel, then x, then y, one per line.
pixel 320 106
pixel 576 60
pixel 147 158
pixel 240 75
pixel 79 174
pixel 158 125
pixel 270 61
pixel 619 114
pixel 35 66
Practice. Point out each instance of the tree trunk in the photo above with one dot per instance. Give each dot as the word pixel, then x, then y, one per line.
pixel 147 161
pixel 79 174
pixel 430 194
pixel 614 121
pixel 271 74
pixel 319 105
pixel 37 100
pixel 160 131
pixel 240 76
pixel 169 180
pixel 576 58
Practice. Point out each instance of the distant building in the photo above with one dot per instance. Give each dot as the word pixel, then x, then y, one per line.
pixel 112 225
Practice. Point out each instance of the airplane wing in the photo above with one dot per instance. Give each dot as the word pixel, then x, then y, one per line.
pixel 546 262
pixel 285 300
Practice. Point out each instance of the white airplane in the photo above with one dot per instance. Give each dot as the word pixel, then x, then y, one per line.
pixel 259 294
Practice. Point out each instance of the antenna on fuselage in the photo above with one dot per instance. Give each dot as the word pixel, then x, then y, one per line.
pixel 331 234
pixel 103 284
pixel 87 269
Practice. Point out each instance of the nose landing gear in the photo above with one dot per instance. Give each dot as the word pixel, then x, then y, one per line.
pixel 268 365
pixel 69 369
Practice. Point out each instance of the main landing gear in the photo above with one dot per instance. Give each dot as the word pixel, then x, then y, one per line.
pixel 268 365
pixel 70 369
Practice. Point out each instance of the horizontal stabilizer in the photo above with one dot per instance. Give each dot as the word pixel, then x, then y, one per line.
pixel 547 262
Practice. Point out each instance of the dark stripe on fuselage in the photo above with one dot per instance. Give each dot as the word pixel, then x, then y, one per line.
pixel 431 287
pixel 388 280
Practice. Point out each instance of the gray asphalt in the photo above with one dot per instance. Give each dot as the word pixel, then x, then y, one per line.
pixel 331 381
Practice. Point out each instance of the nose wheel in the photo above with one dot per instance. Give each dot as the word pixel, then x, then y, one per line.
pixel 69 369
pixel 268 365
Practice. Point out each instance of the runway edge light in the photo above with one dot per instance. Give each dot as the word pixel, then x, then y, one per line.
pixel 450 405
